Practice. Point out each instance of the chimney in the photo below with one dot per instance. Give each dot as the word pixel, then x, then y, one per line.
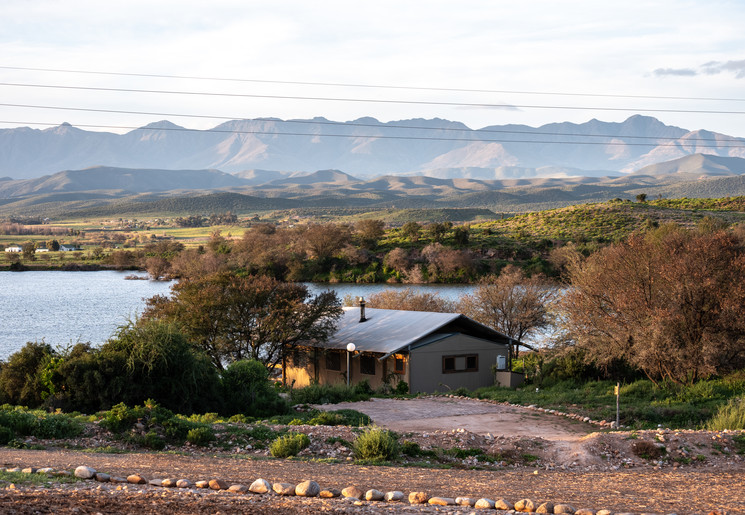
pixel 362 309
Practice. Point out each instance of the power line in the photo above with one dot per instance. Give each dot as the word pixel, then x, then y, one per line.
pixel 372 86
pixel 375 136
pixel 357 124
pixel 371 100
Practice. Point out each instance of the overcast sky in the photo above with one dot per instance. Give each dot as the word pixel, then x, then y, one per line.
pixel 578 54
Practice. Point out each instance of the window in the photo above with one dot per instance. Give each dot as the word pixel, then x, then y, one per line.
pixel 297 358
pixel 399 366
pixel 367 365
pixel 460 363
pixel 333 360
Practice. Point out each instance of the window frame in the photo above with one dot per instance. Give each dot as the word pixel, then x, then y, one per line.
pixel 454 370
pixel 330 355
pixel 365 370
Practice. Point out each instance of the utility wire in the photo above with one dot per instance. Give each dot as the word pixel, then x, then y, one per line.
pixel 371 86
pixel 370 100
pixel 376 136
pixel 357 124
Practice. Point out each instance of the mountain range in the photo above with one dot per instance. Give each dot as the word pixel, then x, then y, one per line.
pixel 257 150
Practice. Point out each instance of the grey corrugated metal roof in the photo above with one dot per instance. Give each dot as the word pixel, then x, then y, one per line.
pixel 388 330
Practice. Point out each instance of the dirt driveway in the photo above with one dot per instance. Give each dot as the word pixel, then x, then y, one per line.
pixel 446 414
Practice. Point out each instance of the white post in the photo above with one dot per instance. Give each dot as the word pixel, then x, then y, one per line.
pixel 350 350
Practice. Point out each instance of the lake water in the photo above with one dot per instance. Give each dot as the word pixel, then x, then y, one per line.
pixel 69 307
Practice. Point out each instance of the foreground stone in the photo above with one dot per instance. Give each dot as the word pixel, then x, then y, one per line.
pixel 374 495
pixel 238 489
pixel 353 492
pixel 284 488
pixel 418 497
pixel 546 507
pixel 526 505
pixel 202 484
pixel 136 479
pixel 484 504
pixel 260 486
pixel 218 484
pixel 566 509
pixel 102 478
pixel 184 483
pixel 441 501
pixel 394 496
pixel 308 489
pixel 168 483
pixel 465 501
pixel 84 472
pixel 504 504
pixel 329 493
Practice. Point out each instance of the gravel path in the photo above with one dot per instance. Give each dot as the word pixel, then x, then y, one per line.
pixel 640 491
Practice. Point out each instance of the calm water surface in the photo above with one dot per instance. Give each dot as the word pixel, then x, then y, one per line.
pixel 69 307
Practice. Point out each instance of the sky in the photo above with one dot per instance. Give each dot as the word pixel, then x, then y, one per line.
pixel 531 62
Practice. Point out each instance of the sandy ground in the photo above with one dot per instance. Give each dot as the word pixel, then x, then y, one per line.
pixel 447 414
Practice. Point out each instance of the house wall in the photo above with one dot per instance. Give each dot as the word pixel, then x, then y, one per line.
pixel 426 367
pixel 311 367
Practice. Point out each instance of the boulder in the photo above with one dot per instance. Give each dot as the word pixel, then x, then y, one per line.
pixel 136 479
pixel 102 478
pixel 566 509
pixel 155 482
pixel 202 484
pixel 546 507
pixel 169 483
pixel 374 495
pixel 84 472
pixel 353 492
pixel 394 496
pixel 32 470
pixel 329 493
pixel 504 504
pixel 484 504
pixel 283 488
pixel 584 511
pixel 218 484
pixel 184 483
pixel 238 489
pixel 308 489
pixel 604 512
pixel 441 501
pixel 465 501
pixel 525 505
pixel 418 497
pixel 260 486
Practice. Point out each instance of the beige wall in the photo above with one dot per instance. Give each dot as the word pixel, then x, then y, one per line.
pixel 426 370
pixel 312 367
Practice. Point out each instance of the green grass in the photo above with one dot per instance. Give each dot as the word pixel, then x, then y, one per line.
pixel 39 480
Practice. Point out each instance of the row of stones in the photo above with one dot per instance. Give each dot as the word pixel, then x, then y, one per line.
pixel 313 489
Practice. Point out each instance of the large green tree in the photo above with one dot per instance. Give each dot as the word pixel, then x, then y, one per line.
pixel 233 317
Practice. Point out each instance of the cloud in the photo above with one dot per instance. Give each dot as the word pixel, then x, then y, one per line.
pixel 682 72
pixel 710 68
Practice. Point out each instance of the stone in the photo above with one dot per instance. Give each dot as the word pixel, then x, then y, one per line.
pixel 329 493
pixel 238 489
pixel 84 472
pixel 63 473
pixel 260 486
pixel 546 507
pixel 14 469
pixel 155 482
pixel 32 470
pixel 567 509
pixel 374 495
pixel 102 478
pixel 45 470
pixel 584 511
pixel 308 489
pixel 284 488
pixel 394 496
pixel 184 483
pixel 604 512
pixel 117 479
pixel 218 484
pixel 202 484
pixel 504 504
pixel 418 497
pixel 169 483
pixel 352 491
pixel 441 501
pixel 136 479
pixel 526 505
pixel 484 504
pixel 465 501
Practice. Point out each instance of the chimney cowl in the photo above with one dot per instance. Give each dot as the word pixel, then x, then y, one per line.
pixel 361 301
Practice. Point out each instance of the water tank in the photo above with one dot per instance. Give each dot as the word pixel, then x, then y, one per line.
pixel 501 362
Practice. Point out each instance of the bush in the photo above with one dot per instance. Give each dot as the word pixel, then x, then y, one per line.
pixel 328 394
pixel 402 388
pixel 153 441
pixel 38 423
pixel 6 435
pixel 729 416
pixel 647 450
pixel 200 436
pixel 21 379
pixel 248 391
pixel 289 445
pixel 377 445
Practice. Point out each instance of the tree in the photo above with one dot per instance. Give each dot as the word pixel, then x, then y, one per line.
pixel 369 231
pixel 411 230
pixel 408 299
pixel 53 245
pixel 235 317
pixel 641 197
pixel 669 302
pixel 29 251
pixel 323 240
pixel 511 303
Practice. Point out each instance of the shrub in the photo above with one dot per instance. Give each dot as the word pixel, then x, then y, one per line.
pixel 402 388
pixel 289 445
pixel 247 390
pixel 729 416
pixel 327 394
pixel 376 444
pixel 200 436
pixel 153 441
pixel 6 435
pixel 21 379
pixel 38 423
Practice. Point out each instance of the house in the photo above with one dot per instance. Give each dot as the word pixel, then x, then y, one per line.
pixel 13 248
pixel 430 351
pixel 67 248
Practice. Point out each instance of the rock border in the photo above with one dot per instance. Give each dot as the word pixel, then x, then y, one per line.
pixel 309 488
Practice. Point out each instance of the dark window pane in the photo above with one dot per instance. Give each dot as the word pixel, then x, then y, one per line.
pixel 367 365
